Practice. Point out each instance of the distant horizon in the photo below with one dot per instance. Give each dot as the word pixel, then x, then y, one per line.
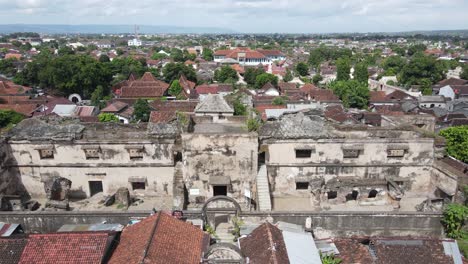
pixel 128 29
pixel 249 16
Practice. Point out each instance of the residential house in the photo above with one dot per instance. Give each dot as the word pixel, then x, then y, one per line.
pixel 214 105
pixel 147 87
pixel 120 109
pixel 432 101
pixel 248 57
pixel 85 247
pixel 162 239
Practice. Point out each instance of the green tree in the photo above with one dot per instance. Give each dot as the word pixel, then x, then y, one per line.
pixel 265 78
pixel 330 259
pixel 317 78
pixel 104 58
pixel 7 67
pixel 158 56
pixel 413 49
pixel 207 54
pixel 65 50
pixel 361 74
pixel 173 71
pixel 225 73
pixel 98 97
pixel 288 76
pixel 175 89
pixel 422 67
pixel 177 55
pixel 279 101
pixel 343 69
pixel 253 124
pixel 250 75
pixel 457 142
pixel 108 118
pixel 9 118
pixel 141 110
pixel 353 93
pixel 464 74
pixel 239 108
pixel 393 65
pixel 302 69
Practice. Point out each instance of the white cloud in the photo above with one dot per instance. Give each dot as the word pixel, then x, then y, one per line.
pixel 248 15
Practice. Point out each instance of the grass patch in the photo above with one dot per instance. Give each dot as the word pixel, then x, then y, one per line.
pixel 463 246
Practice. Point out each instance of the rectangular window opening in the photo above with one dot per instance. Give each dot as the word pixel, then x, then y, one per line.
pixel 302 185
pixel 303 153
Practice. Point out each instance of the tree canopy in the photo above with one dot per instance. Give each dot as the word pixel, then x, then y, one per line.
pixel 457 142
pixel 250 75
pixel 288 76
pixel 225 74
pixel 265 78
pixel 302 69
pixel 343 69
pixel 141 110
pixel 107 118
pixel 9 118
pixel 361 74
pixel 173 71
pixel 422 67
pixel 352 92
pixel 175 89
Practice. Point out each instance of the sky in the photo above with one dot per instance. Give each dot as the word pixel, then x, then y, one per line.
pixel 248 16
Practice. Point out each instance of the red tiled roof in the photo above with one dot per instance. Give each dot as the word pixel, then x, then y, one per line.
pixel 9 88
pixel 162 117
pixel 287 86
pixel 25 109
pixel 13 56
pixel 393 110
pixel 452 81
pixel 377 96
pixel 207 89
pixel 160 239
pixel 398 95
pixel 146 87
pixel 323 95
pixel 270 52
pixel 353 251
pixel 265 245
pixel 86 247
pixel 308 88
pixel 115 107
pixel 173 106
pixel 238 68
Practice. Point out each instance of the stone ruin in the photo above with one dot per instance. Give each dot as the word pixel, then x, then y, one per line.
pixel 57 190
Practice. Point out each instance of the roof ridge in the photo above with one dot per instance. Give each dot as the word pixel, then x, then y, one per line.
pixel 153 231
pixel 271 242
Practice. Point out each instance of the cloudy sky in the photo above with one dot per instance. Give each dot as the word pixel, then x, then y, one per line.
pixel 291 16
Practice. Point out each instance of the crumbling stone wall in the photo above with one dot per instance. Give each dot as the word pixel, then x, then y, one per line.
pixel 327 163
pixel 228 158
pixel 10 179
pixel 113 167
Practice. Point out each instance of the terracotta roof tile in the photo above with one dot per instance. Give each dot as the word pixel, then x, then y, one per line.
pixel 173 106
pixel 207 89
pixel 265 245
pixel 115 107
pixel 86 247
pixel 162 117
pixel 165 240
pixel 323 95
pixel 25 109
pixel 146 87
pixel 377 96
pixel 453 81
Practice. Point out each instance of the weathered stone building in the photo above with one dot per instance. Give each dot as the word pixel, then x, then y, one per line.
pixel 219 159
pixel 99 157
pixel 314 164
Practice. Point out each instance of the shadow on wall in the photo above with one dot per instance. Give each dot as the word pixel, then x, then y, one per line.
pixel 10 178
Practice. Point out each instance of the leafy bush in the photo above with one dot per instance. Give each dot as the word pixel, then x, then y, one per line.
pixel 9 118
pixel 457 142
pixel 454 220
pixel 107 118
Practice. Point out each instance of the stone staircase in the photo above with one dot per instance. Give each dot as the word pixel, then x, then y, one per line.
pixel 178 187
pixel 263 190
pixel 224 234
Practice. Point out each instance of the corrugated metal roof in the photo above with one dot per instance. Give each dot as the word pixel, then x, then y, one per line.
pixel 64 110
pixel 451 249
pixel 94 227
pixel 299 244
pixel 7 230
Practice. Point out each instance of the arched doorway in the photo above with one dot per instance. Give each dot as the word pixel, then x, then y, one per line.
pixel 221 213
pixel 224 253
